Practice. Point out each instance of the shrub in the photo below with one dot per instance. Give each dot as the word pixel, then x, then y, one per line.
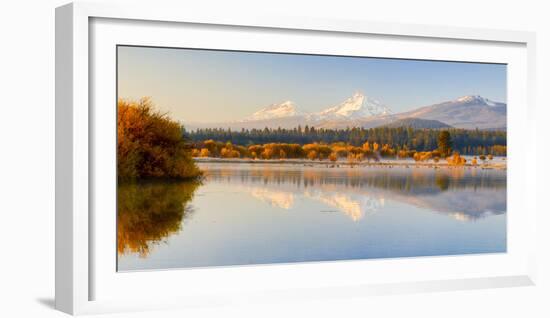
pixel 456 160
pixel 268 153
pixel 150 144
pixel 353 158
pixel 228 152
pixel 205 152
pixel 406 153
pixel 387 151
pixel 422 156
pixel 312 155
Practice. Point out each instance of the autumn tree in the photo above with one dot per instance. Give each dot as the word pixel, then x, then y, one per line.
pixel 150 144
pixel 466 141
pixel 268 153
pixel 312 155
pixel 205 152
pixel 366 146
pixel 456 160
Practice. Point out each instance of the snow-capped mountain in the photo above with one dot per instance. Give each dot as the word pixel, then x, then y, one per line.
pixel 356 107
pixel 476 99
pixel 285 109
pixel 468 112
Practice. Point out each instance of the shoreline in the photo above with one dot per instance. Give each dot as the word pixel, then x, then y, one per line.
pixel 499 165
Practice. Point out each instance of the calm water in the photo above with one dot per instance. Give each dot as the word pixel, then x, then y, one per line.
pixel 273 213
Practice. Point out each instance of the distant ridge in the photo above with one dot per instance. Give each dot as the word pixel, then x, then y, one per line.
pixel 417 123
pixel 466 112
pixel 469 112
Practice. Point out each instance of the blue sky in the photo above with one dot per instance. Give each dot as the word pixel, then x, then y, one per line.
pixel 214 86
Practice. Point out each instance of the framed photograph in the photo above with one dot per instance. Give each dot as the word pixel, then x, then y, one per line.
pixel 208 159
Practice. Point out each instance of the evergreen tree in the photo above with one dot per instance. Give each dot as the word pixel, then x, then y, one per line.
pixel 444 143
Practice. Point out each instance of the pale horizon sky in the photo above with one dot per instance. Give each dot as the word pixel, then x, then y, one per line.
pixel 195 85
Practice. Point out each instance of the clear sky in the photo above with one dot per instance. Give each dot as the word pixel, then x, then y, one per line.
pixel 215 86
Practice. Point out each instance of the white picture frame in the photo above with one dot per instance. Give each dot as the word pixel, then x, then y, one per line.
pixel 82 46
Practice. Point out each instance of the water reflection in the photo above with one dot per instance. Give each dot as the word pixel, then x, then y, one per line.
pixel 148 212
pixel 272 213
pixel 463 193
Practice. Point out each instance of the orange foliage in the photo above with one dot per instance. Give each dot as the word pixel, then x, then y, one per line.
pixel 456 160
pixel 150 144
pixel 149 212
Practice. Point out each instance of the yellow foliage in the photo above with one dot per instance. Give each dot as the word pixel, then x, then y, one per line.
pixel 456 160
pixel 149 212
pixel 422 156
pixel 366 146
pixel 150 144
pixel 229 152
pixel 205 152
pixel 268 153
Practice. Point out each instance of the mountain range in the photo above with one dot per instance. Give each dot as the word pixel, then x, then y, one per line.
pixel 468 112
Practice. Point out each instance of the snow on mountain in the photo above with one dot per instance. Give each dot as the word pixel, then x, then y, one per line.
pixel 285 109
pixel 357 106
pixel 475 99
pixel 468 112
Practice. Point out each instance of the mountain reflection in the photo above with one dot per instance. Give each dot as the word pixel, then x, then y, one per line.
pixel 464 194
pixel 352 206
pixel 148 212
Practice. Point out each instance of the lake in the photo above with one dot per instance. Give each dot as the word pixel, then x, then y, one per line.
pixel 279 213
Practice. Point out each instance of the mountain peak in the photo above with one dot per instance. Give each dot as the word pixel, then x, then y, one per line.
pixel 356 107
pixel 475 99
pixel 284 109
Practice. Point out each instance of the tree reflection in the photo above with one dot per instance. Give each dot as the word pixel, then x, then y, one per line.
pixel 149 212
pixel 442 181
pixel 407 181
pixel 463 193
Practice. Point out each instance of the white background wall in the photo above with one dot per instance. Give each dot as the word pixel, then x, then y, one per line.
pixel 27 159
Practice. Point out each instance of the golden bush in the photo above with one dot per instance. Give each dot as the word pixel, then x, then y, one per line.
pixel 150 144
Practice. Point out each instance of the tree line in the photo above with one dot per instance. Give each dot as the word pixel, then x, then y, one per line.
pixel 332 152
pixel 465 141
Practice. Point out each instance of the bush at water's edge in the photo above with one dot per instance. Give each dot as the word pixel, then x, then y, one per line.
pixel 150 144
